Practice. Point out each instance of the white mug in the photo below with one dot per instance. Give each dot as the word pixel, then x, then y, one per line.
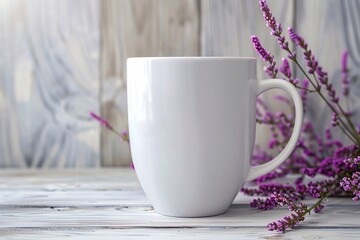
pixel 192 130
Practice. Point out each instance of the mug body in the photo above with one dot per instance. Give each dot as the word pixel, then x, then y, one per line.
pixel 192 128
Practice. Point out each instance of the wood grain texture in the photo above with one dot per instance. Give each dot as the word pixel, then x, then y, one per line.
pixel 133 29
pixel 109 202
pixel 180 233
pixel 228 24
pixel 48 83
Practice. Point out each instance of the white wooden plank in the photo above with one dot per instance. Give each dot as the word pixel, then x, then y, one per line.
pixel 77 198
pixel 117 193
pixel 138 28
pixel 87 187
pixel 109 202
pixel 144 216
pixel 49 197
pixel 180 233
pixel 48 83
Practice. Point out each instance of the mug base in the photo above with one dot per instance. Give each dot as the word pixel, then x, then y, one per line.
pixel 179 215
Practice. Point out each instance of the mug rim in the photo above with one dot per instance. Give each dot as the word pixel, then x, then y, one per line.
pixel 194 58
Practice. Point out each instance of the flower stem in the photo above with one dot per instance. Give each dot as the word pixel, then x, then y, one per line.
pixel 306 89
pixel 347 118
pixel 316 80
pixel 355 136
pixel 328 194
pixel 349 136
pixel 352 131
pixel 123 136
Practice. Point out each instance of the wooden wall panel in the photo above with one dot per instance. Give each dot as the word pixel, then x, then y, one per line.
pixel 138 28
pixel 48 83
pixel 350 13
pixel 62 59
pixel 228 24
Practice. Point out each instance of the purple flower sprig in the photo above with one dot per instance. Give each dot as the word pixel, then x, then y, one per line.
pixel 304 92
pixel 313 156
pixel 345 78
pixel 320 77
pixel 276 28
pixel 352 184
pixel 298 212
pixel 267 189
pixel 101 120
pixel 297 215
pixel 123 135
pixel 271 70
pixel 334 120
pixel 353 162
pixel 313 67
pixel 286 71
pixel 344 72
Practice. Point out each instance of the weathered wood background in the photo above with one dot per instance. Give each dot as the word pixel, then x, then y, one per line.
pixel 62 59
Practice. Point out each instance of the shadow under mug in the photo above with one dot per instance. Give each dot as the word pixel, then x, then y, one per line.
pixel 192 130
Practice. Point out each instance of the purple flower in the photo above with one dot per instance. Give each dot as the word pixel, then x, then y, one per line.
pixel 311 172
pixel 331 93
pixel 251 191
pixel 313 66
pixel 263 204
pixel 286 222
pixel 275 28
pixel 352 184
pixel 304 92
pixel 266 56
pixel 285 68
pixel 344 58
pixel 280 172
pixel 334 120
pixel 318 208
pixel 344 72
pixel 123 135
pixel 132 165
pixel 297 215
pixel 270 188
pixel 328 134
pixel 314 155
pixel 269 18
pixel 101 120
pixel 299 41
pixel 283 99
pixel 346 152
pixel 352 163
pixel 319 188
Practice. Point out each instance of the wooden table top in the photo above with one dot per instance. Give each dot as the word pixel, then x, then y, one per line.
pixel 110 204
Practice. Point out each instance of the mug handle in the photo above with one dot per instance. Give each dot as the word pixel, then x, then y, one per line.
pixel 263 85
